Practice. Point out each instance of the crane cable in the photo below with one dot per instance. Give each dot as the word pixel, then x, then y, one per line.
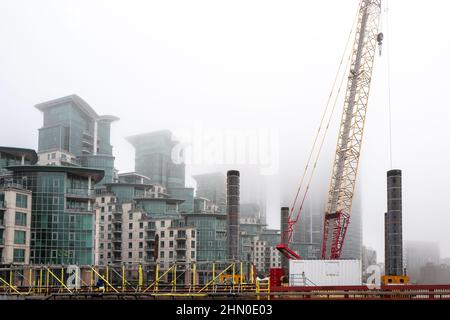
pixel 322 141
pixel 321 124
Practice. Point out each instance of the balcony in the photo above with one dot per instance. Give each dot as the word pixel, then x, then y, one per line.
pixel 180 247
pixel 87 142
pixel 80 210
pixel 88 134
pixel 80 193
pixel 85 150
pixel 181 236
pixel 181 258
pixel 117 239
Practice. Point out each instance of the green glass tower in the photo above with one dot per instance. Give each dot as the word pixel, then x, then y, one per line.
pixel 63 212
pixel 74 134
pixel 155 152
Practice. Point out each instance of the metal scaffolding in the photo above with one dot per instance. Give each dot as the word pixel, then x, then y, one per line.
pixel 221 278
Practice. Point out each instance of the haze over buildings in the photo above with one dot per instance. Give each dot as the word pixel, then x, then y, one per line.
pixel 239 75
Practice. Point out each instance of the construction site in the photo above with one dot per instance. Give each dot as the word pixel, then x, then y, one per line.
pixel 296 279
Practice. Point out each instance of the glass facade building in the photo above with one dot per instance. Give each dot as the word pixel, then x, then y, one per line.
pixel 63 212
pixel 212 186
pixel 72 126
pixel 211 235
pixel 154 158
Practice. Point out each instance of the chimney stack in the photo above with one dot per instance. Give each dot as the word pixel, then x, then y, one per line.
pixel 233 214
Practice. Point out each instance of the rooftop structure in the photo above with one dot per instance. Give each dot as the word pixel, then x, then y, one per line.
pixel 74 133
pixel 154 158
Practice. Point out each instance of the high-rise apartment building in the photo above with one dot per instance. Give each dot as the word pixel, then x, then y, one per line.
pixel 62 212
pixel 156 158
pixel 212 186
pixel 74 134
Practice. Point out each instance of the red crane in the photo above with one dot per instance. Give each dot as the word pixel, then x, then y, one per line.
pixel 348 150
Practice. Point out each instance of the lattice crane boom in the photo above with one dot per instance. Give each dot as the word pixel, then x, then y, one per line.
pixel 348 150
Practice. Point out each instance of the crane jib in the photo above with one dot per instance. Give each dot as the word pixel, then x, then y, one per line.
pixel 345 166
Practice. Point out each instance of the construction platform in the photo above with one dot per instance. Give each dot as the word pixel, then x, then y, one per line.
pixel 233 281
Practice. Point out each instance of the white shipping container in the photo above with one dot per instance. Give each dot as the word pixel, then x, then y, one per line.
pixel 325 273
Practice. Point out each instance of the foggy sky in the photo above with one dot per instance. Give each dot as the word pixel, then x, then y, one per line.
pixel 242 64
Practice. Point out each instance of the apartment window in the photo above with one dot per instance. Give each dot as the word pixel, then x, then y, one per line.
pixel 141 225
pixel 192 244
pixel 19 237
pixel 161 254
pixel 171 244
pixel 21 219
pixel 102 218
pixel 109 217
pixel 102 228
pixel 130 226
pixel 192 233
pixel 102 246
pixel 109 245
pixel 109 227
pixel 71 236
pixel 54 254
pixel 101 256
pixel 54 236
pixel 109 254
pixel 141 245
pixel 193 254
pixel 130 255
pixel 141 235
pixel 162 244
pixel 109 236
pixel 130 245
pixel 71 218
pixel 21 200
pixel 140 255
pixel 109 208
pixel 19 255
pixel 170 254
pixel 130 216
pixel 171 233
pixel 163 224
pixel 103 209
pixel 54 155
pixel 55 219
pixel 163 234
pixel 103 199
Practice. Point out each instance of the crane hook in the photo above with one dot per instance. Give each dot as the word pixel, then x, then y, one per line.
pixel 380 38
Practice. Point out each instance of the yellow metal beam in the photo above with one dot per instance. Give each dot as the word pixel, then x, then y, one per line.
pixel 59 280
pixel 9 285
pixel 214 279
pixel 123 278
pixel 103 278
pixel 140 280
pixel 157 278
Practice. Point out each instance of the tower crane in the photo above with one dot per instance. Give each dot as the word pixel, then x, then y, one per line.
pixel 346 160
